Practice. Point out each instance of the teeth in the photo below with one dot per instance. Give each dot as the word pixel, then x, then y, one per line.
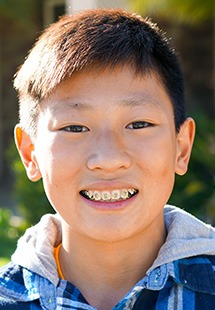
pixel 115 195
pixel 124 194
pixel 90 194
pixel 110 196
pixel 97 196
pixel 131 191
pixel 106 196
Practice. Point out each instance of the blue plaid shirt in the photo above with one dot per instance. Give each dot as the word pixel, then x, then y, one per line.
pixel 187 284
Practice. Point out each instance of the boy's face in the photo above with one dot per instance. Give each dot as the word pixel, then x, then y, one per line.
pixel 104 135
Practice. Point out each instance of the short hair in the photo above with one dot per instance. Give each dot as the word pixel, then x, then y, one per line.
pixel 101 38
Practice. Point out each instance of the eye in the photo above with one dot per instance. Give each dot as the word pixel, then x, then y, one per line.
pixel 75 128
pixel 139 125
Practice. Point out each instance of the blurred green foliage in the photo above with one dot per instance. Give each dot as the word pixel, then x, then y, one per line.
pixel 12 227
pixel 188 11
pixel 21 11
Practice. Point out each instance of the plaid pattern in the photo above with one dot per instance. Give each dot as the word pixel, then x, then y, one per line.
pixel 185 284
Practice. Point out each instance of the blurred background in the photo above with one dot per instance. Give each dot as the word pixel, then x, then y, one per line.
pixel 190 24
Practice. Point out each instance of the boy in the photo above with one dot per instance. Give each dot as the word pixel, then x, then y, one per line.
pixel 102 122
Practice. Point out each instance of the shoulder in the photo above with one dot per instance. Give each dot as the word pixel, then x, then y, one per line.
pixel 12 285
pixel 197 273
pixel 13 291
pixel 11 273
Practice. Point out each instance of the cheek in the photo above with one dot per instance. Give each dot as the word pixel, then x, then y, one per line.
pixel 62 167
pixel 157 154
pixel 157 163
pixel 56 157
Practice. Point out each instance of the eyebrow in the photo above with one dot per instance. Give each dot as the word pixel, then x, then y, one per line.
pixel 143 100
pixel 139 101
pixel 72 106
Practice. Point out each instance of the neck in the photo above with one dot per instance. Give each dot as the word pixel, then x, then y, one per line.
pixel 101 269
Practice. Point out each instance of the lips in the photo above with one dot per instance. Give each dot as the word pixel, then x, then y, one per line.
pixel 109 196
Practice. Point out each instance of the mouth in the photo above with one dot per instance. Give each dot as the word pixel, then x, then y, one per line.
pixel 109 196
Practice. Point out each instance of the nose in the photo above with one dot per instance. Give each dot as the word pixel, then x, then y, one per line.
pixel 109 153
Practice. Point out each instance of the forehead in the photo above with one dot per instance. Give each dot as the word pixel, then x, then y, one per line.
pixel 120 85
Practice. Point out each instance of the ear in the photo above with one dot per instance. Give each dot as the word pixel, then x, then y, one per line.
pixel 185 140
pixel 26 151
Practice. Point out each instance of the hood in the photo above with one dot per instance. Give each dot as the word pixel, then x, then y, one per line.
pixel 35 249
pixel 186 236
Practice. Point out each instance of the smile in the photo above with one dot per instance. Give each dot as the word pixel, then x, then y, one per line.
pixel 109 196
